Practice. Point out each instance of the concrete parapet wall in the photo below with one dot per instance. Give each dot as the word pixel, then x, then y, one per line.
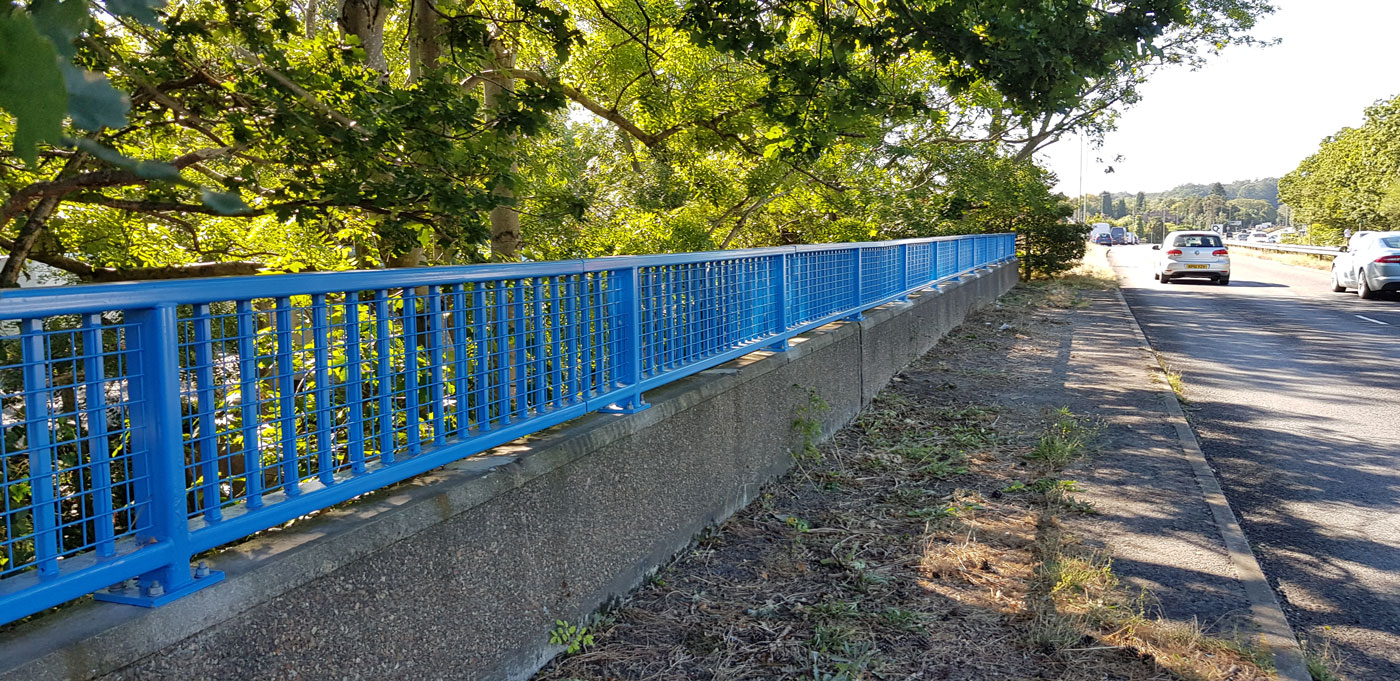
pixel 461 573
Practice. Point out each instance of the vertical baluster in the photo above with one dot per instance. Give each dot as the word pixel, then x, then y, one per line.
pixel 354 384
pixel 556 331
pixel 713 282
pixel 321 354
pixel 383 377
pixel 206 446
pixel 286 403
pixel 481 358
pixel 37 394
pixel 249 404
pixel 462 371
pixel 520 367
pixel 99 449
pixel 538 344
pixel 573 295
pixel 409 315
pixel 501 310
pixel 593 318
pixel 435 363
pixel 670 336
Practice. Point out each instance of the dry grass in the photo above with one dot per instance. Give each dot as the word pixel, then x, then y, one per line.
pixel 922 543
pixel 1316 262
pixel 1172 377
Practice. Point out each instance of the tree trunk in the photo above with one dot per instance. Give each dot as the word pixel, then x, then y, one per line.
pixel 364 19
pixel 28 235
pixel 505 220
pixel 426 45
pixel 309 18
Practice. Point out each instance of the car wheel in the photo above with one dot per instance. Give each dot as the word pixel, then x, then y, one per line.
pixel 1363 289
pixel 1337 283
pixel 1165 278
pixel 1156 276
pixel 1223 281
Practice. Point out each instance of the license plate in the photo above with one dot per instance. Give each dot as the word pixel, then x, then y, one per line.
pixel 1196 267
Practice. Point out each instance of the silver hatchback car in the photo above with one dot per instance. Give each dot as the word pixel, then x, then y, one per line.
pixel 1192 254
pixel 1370 263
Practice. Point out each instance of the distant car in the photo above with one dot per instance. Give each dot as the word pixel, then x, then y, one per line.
pixel 1370 263
pixel 1273 238
pixel 1259 237
pixel 1192 254
pixel 1104 239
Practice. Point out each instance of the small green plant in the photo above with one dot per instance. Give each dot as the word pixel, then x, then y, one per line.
pixel 796 523
pixel 808 425
pixel 835 610
pixel 1064 440
pixel 1321 662
pixel 900 618
pixel 574 637
pixel 829 637
pixel 1173 378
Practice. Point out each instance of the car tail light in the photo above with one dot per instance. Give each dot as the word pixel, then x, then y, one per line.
pixel 1220 251
pixel 1174 251
pixel 1389 259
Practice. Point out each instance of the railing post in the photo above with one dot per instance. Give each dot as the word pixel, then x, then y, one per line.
pixel 904 270
pixel 159 461
pixel 630 326
pixel 857 295
pixel 778 276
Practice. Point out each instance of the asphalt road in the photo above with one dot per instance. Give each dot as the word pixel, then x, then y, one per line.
pixel 1295 395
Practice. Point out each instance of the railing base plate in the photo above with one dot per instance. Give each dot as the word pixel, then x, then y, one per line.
pixel 144 600
pixel 625 408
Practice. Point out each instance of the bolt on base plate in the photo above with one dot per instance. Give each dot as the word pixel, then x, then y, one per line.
pixel 155 594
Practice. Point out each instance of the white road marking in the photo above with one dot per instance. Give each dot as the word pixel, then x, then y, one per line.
pixel 1373 321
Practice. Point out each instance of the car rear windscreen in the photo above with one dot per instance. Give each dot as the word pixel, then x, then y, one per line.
pixel 1197 241
pixel 1390 242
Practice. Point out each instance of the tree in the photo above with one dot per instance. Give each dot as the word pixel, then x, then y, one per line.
pixel 252 139
pixel 1349 183
pixel 1140 203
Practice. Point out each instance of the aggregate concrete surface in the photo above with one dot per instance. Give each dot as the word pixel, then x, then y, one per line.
pixel 1293 392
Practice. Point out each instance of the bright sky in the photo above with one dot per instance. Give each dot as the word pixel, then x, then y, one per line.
pixel 1250 113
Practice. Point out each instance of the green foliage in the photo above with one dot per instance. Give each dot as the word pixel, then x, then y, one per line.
pixel 1351 182
pixel 30 85
pixel 574 637
pixel 230 132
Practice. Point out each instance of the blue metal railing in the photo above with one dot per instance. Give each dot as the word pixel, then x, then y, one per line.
pixel 145 423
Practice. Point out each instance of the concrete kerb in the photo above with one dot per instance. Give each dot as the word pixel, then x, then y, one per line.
pixel 1274 630
pixel 93 639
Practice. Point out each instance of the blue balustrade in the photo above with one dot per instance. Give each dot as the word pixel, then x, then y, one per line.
pixel 145 423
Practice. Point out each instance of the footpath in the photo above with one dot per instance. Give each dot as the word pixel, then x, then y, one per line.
pixel 1026 501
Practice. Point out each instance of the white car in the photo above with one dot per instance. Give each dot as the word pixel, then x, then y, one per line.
pixel 1259 237
pixel 1370 263
pixel 1192 254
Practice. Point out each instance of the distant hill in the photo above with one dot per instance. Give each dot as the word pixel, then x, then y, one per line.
pixel 1265 189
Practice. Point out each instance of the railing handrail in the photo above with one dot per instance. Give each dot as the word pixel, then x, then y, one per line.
pixel 130 295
